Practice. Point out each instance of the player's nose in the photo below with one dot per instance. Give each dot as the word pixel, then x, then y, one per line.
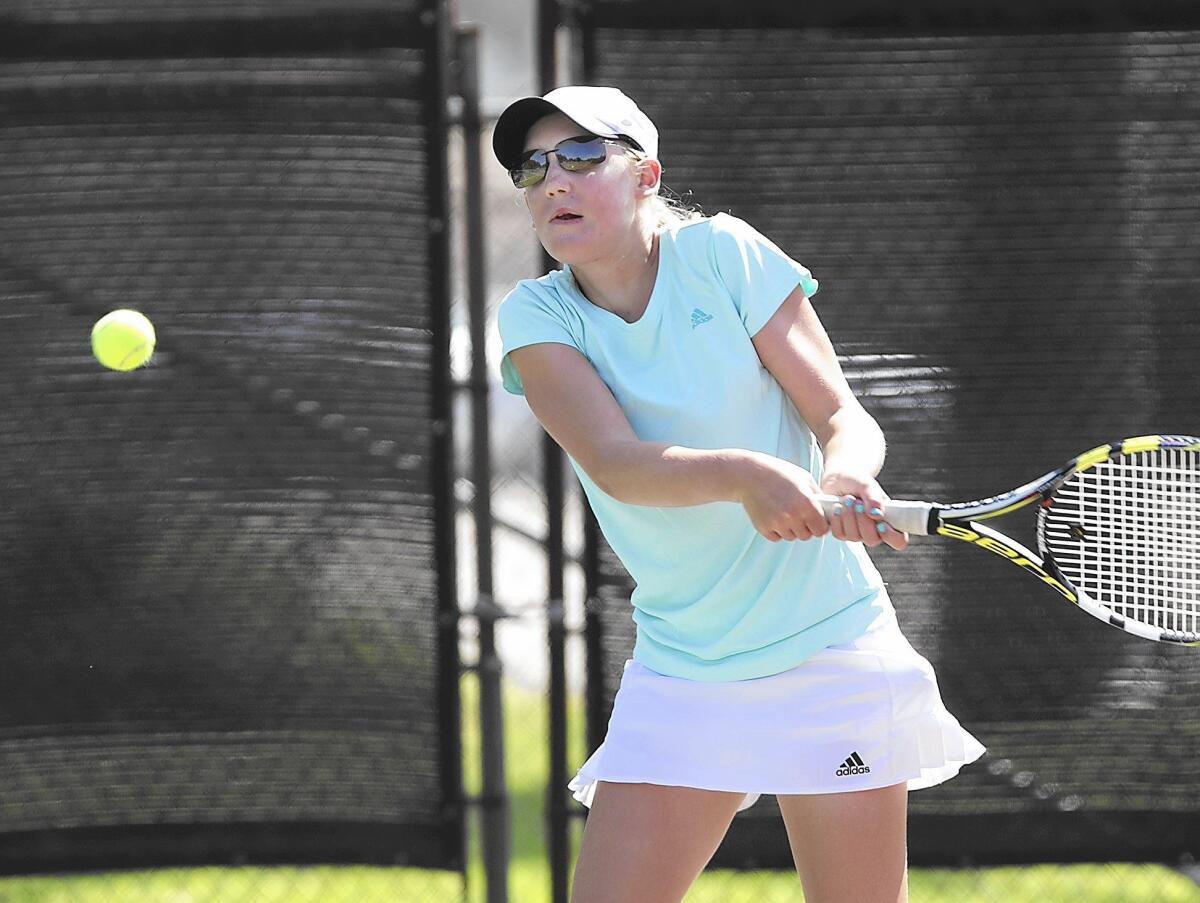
pixel 557 179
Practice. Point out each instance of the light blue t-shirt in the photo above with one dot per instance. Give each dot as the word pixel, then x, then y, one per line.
pixel 714 600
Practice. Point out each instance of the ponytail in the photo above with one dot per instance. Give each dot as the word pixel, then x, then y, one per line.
pixel 670 209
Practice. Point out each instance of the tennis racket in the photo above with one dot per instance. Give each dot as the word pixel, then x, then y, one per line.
pixel 1118 529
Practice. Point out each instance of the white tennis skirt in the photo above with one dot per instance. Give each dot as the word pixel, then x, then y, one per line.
pixel 857 716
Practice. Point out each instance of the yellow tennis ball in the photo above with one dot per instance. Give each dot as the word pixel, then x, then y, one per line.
pixel 123 340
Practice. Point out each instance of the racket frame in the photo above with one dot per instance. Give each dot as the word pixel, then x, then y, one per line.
pixel 959 521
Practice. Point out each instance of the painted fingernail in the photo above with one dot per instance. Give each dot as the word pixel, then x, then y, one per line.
pixel 859 508
pixel 837 510
pixel 875 512
pixel 881 527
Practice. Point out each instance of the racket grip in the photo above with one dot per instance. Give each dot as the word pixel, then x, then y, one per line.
pixel 907 517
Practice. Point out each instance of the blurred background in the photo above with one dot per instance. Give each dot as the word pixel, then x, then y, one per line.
pixel 310 609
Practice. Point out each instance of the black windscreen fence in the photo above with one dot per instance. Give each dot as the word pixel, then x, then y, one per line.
pixel 1003 222
pixel 225 584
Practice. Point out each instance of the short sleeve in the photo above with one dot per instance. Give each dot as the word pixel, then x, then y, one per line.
pixel 528 316
pixel 758 275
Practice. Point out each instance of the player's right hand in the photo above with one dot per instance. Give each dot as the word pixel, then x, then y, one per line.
pixel 780 499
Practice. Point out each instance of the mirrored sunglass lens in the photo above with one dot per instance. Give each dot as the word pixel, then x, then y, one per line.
pixel 531 171
pixel 527 178
pixel 573 155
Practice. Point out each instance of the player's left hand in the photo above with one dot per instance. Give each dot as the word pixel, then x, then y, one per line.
pixel 860 517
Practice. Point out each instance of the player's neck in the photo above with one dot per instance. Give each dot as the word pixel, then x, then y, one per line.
pixel 622 284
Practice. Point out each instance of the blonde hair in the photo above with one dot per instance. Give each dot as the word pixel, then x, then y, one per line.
pixel 669 208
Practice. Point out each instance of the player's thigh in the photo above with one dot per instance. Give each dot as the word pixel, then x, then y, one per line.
pixel 850 847
pixel 645 843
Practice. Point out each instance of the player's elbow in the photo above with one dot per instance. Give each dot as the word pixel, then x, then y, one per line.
pixel 612 467
pixel 609 486
pixel 852 421
pixel 608 477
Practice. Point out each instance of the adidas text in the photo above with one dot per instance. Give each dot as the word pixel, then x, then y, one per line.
pixel 844 771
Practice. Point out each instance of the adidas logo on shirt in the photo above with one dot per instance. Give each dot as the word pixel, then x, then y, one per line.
pixel 699 318
pixel 853 765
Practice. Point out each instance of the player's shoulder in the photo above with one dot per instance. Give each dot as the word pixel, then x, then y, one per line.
pixel 545 299
pixel 691 237
pixel 719 229
pixel 727 222
pixel 549 294
pixel 710 243
pixel 728 226
pixel 549 288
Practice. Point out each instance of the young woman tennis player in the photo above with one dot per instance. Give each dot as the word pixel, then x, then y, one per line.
pixel 678 361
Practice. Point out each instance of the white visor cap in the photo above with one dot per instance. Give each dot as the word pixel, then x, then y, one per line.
pixel 601 111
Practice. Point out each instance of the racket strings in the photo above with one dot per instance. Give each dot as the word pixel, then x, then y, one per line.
pixel 1127 533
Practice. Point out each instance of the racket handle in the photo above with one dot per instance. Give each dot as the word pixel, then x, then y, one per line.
pixel 907 517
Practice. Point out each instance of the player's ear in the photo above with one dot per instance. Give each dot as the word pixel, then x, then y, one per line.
pixel 649 173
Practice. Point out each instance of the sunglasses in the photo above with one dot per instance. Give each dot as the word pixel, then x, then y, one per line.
pixel 574 155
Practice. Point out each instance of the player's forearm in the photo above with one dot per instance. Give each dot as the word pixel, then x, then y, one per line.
pixel 853 444
pixel 672 476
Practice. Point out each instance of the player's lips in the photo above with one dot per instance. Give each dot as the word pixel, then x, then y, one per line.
pixel 563 215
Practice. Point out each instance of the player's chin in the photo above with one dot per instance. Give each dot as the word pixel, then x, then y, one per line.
pixel 572 249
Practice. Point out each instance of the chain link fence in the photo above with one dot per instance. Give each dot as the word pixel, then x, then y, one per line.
pixel 298 501
pixel 225 640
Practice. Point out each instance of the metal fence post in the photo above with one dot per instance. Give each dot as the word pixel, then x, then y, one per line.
pixel 495 805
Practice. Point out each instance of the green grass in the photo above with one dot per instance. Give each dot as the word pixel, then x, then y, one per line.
pixel 529 880
pixel 319 884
